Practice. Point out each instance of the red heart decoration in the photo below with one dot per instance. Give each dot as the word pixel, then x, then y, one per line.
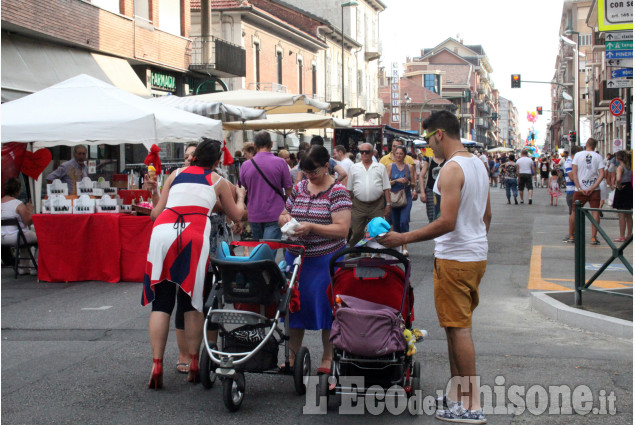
pixel 34 163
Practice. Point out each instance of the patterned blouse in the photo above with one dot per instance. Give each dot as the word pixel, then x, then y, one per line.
pixel 509 170
pixel 318 209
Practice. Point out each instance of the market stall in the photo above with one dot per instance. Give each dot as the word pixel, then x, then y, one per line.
pixel 272 102
pixel 75 243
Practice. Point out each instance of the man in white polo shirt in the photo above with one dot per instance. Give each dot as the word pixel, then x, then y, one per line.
pixel 369 186
pixel 526 169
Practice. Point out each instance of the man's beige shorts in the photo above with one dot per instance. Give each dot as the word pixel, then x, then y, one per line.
pixel 456 291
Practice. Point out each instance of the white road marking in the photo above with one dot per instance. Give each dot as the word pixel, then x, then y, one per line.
pixel 103 307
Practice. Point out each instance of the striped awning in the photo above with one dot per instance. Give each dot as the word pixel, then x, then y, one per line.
pixel 218 110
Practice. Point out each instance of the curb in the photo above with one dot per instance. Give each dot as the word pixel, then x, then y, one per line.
pixel 562 313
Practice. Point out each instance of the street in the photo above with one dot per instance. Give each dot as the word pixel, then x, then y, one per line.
pixel 79 352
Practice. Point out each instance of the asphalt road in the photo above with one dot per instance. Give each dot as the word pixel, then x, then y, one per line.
pixel 78 353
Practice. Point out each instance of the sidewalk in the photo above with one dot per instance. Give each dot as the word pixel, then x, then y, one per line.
pixel 551 279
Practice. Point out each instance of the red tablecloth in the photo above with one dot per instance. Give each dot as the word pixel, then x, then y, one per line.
pixel 104 247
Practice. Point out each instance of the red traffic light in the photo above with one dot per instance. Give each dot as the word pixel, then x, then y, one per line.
pixel 515 81
pixel 539 110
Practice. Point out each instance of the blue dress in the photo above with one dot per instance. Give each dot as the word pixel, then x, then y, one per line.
pixel 401 216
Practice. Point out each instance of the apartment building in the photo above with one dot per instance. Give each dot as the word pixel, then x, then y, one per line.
pixel 509 131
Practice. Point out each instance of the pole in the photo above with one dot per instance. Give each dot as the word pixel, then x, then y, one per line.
pixel 576 93
pixel 343 104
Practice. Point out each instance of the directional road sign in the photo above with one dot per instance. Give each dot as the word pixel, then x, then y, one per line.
pixel 623 72
pixel 617 36
pixel 620 62
pixel 619 45
pixel 619 54
pixel 617 107
pixel 618 84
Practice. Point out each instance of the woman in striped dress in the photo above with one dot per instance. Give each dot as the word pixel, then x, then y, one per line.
pixel 323 207
pixel 179 251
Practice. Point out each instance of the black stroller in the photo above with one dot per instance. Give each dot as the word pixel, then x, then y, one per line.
pixel 250 334
pixel 373 305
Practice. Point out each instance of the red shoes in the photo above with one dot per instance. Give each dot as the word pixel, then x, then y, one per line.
pixel 156 379
pixel 192 375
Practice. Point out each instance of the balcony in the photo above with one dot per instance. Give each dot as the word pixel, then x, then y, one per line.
pixel 376 109
pixel 273 87
pixel 217 57
pixel 373 50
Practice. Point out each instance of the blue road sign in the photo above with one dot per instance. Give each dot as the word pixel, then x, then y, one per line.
pixel 619 54
pixel 624 72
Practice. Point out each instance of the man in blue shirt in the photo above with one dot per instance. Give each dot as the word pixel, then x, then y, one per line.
pixel 73 171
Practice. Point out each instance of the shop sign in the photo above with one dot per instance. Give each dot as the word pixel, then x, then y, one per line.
pixel 163 81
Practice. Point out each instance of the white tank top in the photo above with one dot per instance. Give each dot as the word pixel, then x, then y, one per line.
pixel 468 241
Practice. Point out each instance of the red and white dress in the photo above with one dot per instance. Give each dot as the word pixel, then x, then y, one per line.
pixel 180 242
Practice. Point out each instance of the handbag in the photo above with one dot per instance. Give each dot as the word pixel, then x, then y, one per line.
pixel 398 199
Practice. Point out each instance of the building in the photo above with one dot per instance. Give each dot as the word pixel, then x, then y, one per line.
pixel 509 131
pixel 571 105
pixel 357 79
pixel 141 46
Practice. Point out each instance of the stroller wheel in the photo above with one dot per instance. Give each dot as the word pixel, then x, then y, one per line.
pixel 301 370
pixel 416 378
pixel 323 390
pixel 234 391
pixel 207 368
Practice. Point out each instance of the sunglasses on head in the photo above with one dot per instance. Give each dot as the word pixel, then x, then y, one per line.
pixel 363 152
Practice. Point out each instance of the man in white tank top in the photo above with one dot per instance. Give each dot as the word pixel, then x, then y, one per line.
pixel 460 235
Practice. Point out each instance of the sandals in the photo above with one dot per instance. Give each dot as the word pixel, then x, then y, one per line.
pixel 183 368
pixel 619 240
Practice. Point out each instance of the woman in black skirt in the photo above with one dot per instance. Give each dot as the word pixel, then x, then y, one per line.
pixel 623 199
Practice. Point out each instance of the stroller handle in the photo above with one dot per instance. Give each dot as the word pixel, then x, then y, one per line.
pixel 365 250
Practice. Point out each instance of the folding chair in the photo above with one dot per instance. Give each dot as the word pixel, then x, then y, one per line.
pixel 20 243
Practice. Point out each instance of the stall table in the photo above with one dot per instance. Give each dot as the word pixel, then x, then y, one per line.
pixel 104 247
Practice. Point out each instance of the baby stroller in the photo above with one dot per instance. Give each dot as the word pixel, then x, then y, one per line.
pixel 250 333
pixel 372 306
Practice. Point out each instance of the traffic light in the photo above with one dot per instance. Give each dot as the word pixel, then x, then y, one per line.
pixel 539 109
pixel 494 116
pixel 515 81
pixel 467 95
pixel 572 137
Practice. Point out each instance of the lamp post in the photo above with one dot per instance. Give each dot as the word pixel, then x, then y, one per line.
pixel 576 89
pixel 342 6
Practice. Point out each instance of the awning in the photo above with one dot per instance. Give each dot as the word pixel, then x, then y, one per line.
pixel 30 65
pixel 300 121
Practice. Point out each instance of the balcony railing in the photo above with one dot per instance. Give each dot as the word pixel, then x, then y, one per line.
pixel 262 86
pixel 217 57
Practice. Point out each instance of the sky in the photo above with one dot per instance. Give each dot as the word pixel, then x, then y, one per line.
pixel 519 37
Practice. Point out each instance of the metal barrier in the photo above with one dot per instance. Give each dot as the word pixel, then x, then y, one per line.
pixel 580 252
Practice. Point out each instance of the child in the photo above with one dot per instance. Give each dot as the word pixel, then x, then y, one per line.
pixel 554 187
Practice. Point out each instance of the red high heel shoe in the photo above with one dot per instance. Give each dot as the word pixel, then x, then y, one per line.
pixel 156 379
pixel 192 375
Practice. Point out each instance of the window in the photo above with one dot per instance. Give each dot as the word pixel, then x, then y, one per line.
pixel 170 16
pixel 314 78
pixel 430 81
pixel 279 65
pixel 142 9
pixel 300 72
pixel 109 5
pixel 257 62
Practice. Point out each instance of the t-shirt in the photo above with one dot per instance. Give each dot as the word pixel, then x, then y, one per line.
pixel 568 167
pixel 589 164
pixel 264 204
pixel 525 165
pixel 346 164
pixel 387 160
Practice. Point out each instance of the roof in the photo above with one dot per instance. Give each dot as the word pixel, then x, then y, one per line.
pixel 221 4
pixel 416 93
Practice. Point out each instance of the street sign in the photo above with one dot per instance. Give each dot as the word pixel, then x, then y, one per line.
pixel 619 84
pixel 617 145
pixel 619 54
pixel 620 62
pixel 617 36
pixel 624 72
pixel 615 15
pixel 616 107
pixel 619 45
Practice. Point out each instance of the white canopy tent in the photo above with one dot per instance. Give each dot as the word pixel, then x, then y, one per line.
pixel 500 149
pixel 272 102
pixel 213 109
pixel 298 121
pixel 85 110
